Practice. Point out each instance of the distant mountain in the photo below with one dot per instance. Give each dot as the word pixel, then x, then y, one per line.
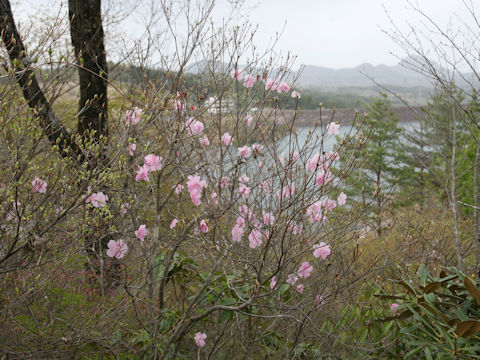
pixel 314 76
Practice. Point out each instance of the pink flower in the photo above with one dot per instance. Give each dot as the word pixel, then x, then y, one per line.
pixel 179 188
pixel 224 182
pixel 247 213
pixel 153 162
pixel 142 174
pixel 131 148
pixel 249 120
pixel 292 279
pixel 173 223
pixel 342 199
pixel 257 148
pixel 244 190
pixel 295 228
pixel 244 151
pixel 244 179
pixel 214 198
pixel 296 94
pixel 394 307
pixel 315 212
pixel 286 191
pixel 319 301
pixel 195 185
pixel 97 200
pixel 323 178
pixel 141 232
pixel 193 127
pixel 305 270
pixel 313 162
pixel 236 74
pixel 237 233
pixel 200 339
pixel 332 128
pixel 203 227
pixel 39 185
pixel 204 141
pixel 321 250
pixel 248 81
pixel 227 139
pixel 300 288
pixel 283 87
pixel 329 204
pixel 133 117
pixel 255 238
pixel 273 282
pixel 268 218
pixel 179 106
pixel 270 84
pixel 117 249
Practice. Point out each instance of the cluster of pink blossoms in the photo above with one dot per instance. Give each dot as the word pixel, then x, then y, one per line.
pixel 227 139
pixel 270 84
pixel 151 163
pixel 200 339
pixel 98 199
pixel 203 226
pixel 317 212
pixel 142 232
pixel 244 151
pixel 131 148
pixel 193 127
pixel 195 186
pixel 39 185
pixel 117 249
pixel 133 117
pixel 322 162
pixel 332 128
pixel 258 232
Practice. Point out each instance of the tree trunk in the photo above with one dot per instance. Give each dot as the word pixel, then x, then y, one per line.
pixel 25 76
pixel 88 40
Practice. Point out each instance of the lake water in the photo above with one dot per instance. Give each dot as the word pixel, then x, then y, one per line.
pixel 323 142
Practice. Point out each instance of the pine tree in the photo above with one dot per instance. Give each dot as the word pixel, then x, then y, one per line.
pixel 374 178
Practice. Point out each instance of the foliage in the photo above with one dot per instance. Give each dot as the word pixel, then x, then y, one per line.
pixel 438 316
pixel 377 165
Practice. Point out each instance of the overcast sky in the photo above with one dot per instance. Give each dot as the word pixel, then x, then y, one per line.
pixel 344 33
pixel 331 33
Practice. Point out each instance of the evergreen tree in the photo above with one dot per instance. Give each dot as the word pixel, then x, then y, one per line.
pixel 377 166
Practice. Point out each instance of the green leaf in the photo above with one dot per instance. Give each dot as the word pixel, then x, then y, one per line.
pixel 283 288
pixel 422 273
pixel 225 315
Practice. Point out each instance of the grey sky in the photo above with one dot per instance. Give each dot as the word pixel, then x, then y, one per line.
pixel 331 33
pixel 343 33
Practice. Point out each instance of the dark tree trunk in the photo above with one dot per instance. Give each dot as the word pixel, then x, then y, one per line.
pixel 27 80
pixel 88 40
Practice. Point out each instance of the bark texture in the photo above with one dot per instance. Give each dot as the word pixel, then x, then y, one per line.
pixel 88 41
pixel 25 76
